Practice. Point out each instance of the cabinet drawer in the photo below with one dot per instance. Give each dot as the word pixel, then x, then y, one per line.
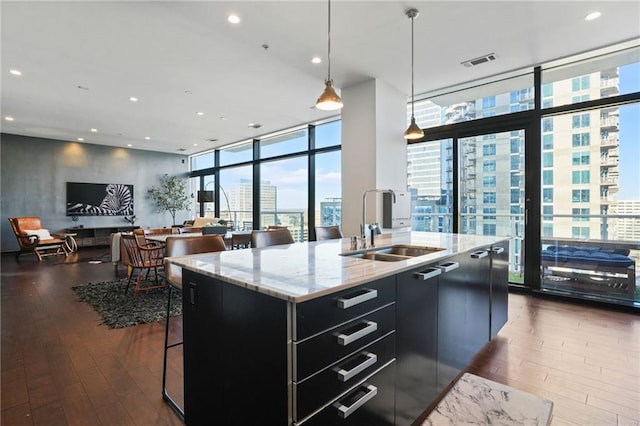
pixel 369 404
pixel 317 315
pixel 324 349
pixel 336 379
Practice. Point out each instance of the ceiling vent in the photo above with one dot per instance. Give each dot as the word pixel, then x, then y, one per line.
pixel 480 60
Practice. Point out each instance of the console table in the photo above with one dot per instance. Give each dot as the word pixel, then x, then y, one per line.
pixel 92 237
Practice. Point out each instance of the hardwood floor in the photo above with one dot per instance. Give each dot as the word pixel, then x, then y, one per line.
pixel 60 367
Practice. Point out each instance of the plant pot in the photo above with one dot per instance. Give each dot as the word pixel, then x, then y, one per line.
pixel 220 230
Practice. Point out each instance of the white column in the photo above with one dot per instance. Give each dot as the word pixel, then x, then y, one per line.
pixel 374 151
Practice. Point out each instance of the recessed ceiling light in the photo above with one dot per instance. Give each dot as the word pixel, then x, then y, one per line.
pixel 129 145
pixel 234 19
pixel 15 72
pixel 8 118
pixel 592 16
pixel 195 144
pixel 223 118
pixel 81 139
pixel 316 60
pixel 255 125
pixel 148 138
pixel 133 99
pixel 199 113
pixel 94 130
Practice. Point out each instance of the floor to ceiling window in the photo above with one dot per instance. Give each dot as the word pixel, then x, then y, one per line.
pixel 580 130
pixel 590 235
pixel 290 179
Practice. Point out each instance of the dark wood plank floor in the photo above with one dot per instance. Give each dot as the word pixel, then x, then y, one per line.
pixel 60 367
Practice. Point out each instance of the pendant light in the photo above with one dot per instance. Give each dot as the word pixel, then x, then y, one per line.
pixel 413 131
pixel 329 99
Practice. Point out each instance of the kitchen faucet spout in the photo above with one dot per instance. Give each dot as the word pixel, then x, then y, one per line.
pixel 363 226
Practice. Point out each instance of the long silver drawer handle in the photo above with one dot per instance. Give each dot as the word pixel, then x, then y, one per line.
pixel 344 303
pixel 498 250
pixel 429 273
pixel 479 254
pixel 449 266
pixel 344 411
pixel 346 375
pixel 345 339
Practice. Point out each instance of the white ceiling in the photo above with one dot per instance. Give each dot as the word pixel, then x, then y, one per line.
pixel 81 61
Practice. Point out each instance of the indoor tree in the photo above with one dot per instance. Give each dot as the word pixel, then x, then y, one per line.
pixel 171 196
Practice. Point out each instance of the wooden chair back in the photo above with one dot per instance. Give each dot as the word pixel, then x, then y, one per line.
pixel 183 246
pixel 274 237
pixel 328 233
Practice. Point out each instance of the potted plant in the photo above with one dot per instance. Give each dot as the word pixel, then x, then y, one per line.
pixel 171 196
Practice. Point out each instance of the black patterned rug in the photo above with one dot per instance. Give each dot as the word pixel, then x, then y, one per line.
pixel 120 310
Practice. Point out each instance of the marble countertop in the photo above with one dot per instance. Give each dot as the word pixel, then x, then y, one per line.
pixel 303 271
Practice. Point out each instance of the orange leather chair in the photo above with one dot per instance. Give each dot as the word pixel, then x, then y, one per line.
pixel 34 238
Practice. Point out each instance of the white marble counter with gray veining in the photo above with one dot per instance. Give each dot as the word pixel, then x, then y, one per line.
pixel 303 271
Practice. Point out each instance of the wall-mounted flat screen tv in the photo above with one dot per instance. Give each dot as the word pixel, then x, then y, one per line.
pixel 99 199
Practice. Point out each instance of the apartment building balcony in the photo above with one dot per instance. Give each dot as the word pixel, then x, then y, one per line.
pixel 609 123
pixel 608 162
pixel 610 141
pixel 613 152
pixel 610 86
pixel 608 181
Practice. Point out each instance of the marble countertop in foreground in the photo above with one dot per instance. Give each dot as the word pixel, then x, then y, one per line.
pixel 304 271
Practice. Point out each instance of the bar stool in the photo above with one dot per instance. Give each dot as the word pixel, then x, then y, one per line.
pixel 182 246
pixel 328 233
pixel 274 237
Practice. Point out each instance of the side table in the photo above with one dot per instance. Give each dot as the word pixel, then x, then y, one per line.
pixel 70 244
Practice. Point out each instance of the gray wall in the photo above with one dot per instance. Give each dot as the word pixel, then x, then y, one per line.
pixel 34 173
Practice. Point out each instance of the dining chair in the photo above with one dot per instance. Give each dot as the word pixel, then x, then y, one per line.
pixel 328 233
pixel 142 257
pixel 182 246
pixel 274 237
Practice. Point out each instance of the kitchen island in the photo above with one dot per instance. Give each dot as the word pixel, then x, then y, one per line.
pixel 305 334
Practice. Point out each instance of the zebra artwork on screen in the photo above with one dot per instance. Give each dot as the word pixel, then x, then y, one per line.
pixel 99 199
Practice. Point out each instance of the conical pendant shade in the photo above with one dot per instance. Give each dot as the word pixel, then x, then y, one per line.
pixel 413 131
pixel 329 99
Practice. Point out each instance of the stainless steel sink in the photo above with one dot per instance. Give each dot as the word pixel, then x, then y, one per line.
pixel 394 253
pixel 407 250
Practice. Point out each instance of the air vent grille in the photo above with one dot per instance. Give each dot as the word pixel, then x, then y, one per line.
pixel 479 60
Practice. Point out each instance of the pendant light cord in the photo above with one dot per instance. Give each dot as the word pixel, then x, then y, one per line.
pixel 329 43
pixel 412 96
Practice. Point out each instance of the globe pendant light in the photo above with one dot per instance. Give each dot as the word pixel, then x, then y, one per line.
pixel 413 131
pixel 329 99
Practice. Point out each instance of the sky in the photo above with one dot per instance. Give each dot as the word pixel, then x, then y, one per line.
pixel 629 136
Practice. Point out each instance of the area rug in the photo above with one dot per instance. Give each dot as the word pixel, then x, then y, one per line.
pixel 120 310
pixel 474 400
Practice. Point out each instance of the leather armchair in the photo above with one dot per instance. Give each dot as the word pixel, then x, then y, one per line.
pixel 34 238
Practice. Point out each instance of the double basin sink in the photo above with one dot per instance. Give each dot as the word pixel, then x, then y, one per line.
pixel 394 253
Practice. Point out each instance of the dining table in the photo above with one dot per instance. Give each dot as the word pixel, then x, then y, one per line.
pixel 233 239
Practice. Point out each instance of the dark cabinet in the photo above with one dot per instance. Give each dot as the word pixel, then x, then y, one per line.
pixel 235 354
pixel 417 331
pixel 499 286
pixel 243 365
pixel 345 352
pixel 368 404
pixel 463 312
